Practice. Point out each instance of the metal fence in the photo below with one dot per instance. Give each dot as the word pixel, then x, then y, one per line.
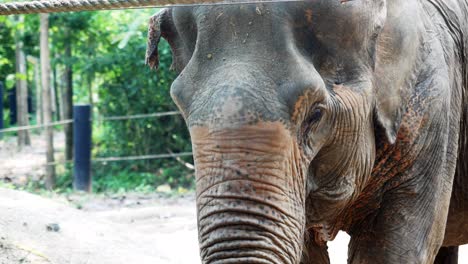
pixel 82 137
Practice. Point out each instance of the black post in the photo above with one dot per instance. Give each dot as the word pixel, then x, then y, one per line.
pixel 12 105
pixel 82 147
pixel 1 107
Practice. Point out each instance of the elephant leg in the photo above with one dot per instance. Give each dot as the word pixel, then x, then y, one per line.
pixel 447 255
pixel 408 228
pixel 314 253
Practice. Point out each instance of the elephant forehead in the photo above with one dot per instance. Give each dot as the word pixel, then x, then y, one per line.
pixel 320 29
pixel 334 15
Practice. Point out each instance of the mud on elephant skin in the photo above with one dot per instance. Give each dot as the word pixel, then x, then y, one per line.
pixel 326 115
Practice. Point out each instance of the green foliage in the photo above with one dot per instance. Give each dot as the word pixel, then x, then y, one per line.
pixel 115 177
pixel 7 49
pixel 108 51
pixel 128 87
pixel 7 56
pixel 127 180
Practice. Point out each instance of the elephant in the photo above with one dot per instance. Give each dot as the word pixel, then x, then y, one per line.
pixel 307 118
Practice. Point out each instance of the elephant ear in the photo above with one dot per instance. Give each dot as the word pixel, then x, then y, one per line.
pixel 396 59
pixel 162 25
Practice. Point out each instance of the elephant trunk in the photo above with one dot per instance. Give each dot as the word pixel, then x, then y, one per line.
pixel 250 195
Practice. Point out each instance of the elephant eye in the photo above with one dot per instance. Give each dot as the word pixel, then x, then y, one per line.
pixel 315 116
pixel 312 120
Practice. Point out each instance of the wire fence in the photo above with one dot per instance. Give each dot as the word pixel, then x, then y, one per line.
pixel 140 116
pixel 32 127
pixel 100 120
pixel 129 158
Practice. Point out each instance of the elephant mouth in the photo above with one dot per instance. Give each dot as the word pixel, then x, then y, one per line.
pixel 323 233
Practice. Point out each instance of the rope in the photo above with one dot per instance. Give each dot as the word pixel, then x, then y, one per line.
pixel 131 158
pixel 145 157
pixel 111 118
pixel 55 163
pixel 53 6
pixel 16 129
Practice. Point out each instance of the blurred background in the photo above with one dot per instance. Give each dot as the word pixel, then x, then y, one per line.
pixel 96 58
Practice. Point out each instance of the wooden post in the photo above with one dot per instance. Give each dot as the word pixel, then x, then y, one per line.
pixel 46 99
pixel 58 113
pixel 82 147
pixel 67 94
pixel 37 78
pixel 53 95
pixel 37 84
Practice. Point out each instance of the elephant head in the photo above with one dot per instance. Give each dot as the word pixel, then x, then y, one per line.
pixel 283 102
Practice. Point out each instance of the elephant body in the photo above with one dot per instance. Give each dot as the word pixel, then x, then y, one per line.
pixel 449 24
pixel 446 11
pixel 325 115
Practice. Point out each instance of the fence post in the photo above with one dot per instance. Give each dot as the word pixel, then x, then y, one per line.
pixel 1 107
pixel 12 106
pixel 82 147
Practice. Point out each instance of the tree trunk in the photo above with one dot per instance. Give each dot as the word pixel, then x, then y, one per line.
pixel 90 91
pixel 57 100
pixel 21 88
pixel 37 86
pixel 52 94
pixel 37 80
pixel 58 82
pixel 46 99
pixel 67 99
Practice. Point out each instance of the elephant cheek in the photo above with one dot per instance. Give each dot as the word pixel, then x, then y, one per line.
pixel 250 195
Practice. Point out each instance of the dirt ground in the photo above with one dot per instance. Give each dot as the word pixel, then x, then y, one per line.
pixel 107 229
pixel 19 166
pixel 104 229
pixel 126 229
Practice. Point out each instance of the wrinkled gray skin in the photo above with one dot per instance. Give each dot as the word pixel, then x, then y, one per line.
pixel 310 118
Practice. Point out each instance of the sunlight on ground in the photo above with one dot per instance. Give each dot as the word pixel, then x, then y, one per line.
pixel 179 240
pixel 338 250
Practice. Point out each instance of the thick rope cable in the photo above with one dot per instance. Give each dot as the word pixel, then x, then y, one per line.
pixel 53 6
